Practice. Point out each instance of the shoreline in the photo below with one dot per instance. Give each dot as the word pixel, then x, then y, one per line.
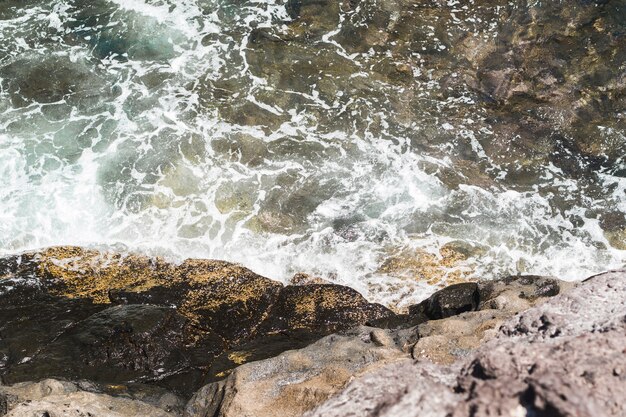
pixel 213 338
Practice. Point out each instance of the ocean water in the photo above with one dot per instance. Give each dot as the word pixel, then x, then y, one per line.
pixel 175 128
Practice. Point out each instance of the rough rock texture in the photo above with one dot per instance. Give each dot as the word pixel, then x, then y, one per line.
pixel 565 357
pixel 79 314
pixel 461 317
pixel 401 388
pixel 56 398
pixel 141 335
pixel 296 381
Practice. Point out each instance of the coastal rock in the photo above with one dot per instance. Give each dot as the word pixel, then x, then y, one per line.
pixel 450 301
pixel 61 398
pixel 452 323
pixel 68 312
pixel 563 357
pixel 140 336
pixel 401 388
pixel 294 381
pixel 54 398
pixel 458 319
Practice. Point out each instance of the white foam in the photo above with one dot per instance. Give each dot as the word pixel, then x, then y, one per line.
pixel 151 180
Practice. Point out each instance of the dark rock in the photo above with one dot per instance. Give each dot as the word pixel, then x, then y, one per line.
pixel 450 301
pixel 120 344
pixel 72 313
pixel 319 306
pixel 49 79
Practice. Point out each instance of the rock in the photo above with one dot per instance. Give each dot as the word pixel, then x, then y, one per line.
pixel 73 313
pixel 563 357
pixel 124 343
pixel 450 301
pixel 84 403
pixel 294 381
pixel 424 266
pixel 48 79
pixel 558 357
pixel 140 335
pixel 458 319
pixel 565 377
pixel 329 306
pixel 514 292
pixel 401 388
pixel 381 338
pixel 445 341
pixel 304 279
pixel 596 305
pixel 61 398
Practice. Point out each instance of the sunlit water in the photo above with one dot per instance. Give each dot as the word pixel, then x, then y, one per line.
pixel 158 127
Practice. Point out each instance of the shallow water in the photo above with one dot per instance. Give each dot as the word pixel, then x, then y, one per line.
pixel 177 128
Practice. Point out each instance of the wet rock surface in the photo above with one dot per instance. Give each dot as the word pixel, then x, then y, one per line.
pixel 78 314
pixel 539 84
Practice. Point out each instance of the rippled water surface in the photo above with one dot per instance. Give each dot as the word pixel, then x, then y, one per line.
pixel 233 129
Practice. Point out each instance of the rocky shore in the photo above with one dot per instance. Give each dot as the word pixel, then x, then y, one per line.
pixel 92 333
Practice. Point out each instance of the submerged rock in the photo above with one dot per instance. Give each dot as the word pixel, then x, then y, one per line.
pixel 37 78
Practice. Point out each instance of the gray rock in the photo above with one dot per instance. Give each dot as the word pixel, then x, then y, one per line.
pixel 565 376
pixel 295 381
pixel 565 357
pixel 559 358
pixel 401 388
pixel 598 305
pixel 56 398
pixel 464 316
